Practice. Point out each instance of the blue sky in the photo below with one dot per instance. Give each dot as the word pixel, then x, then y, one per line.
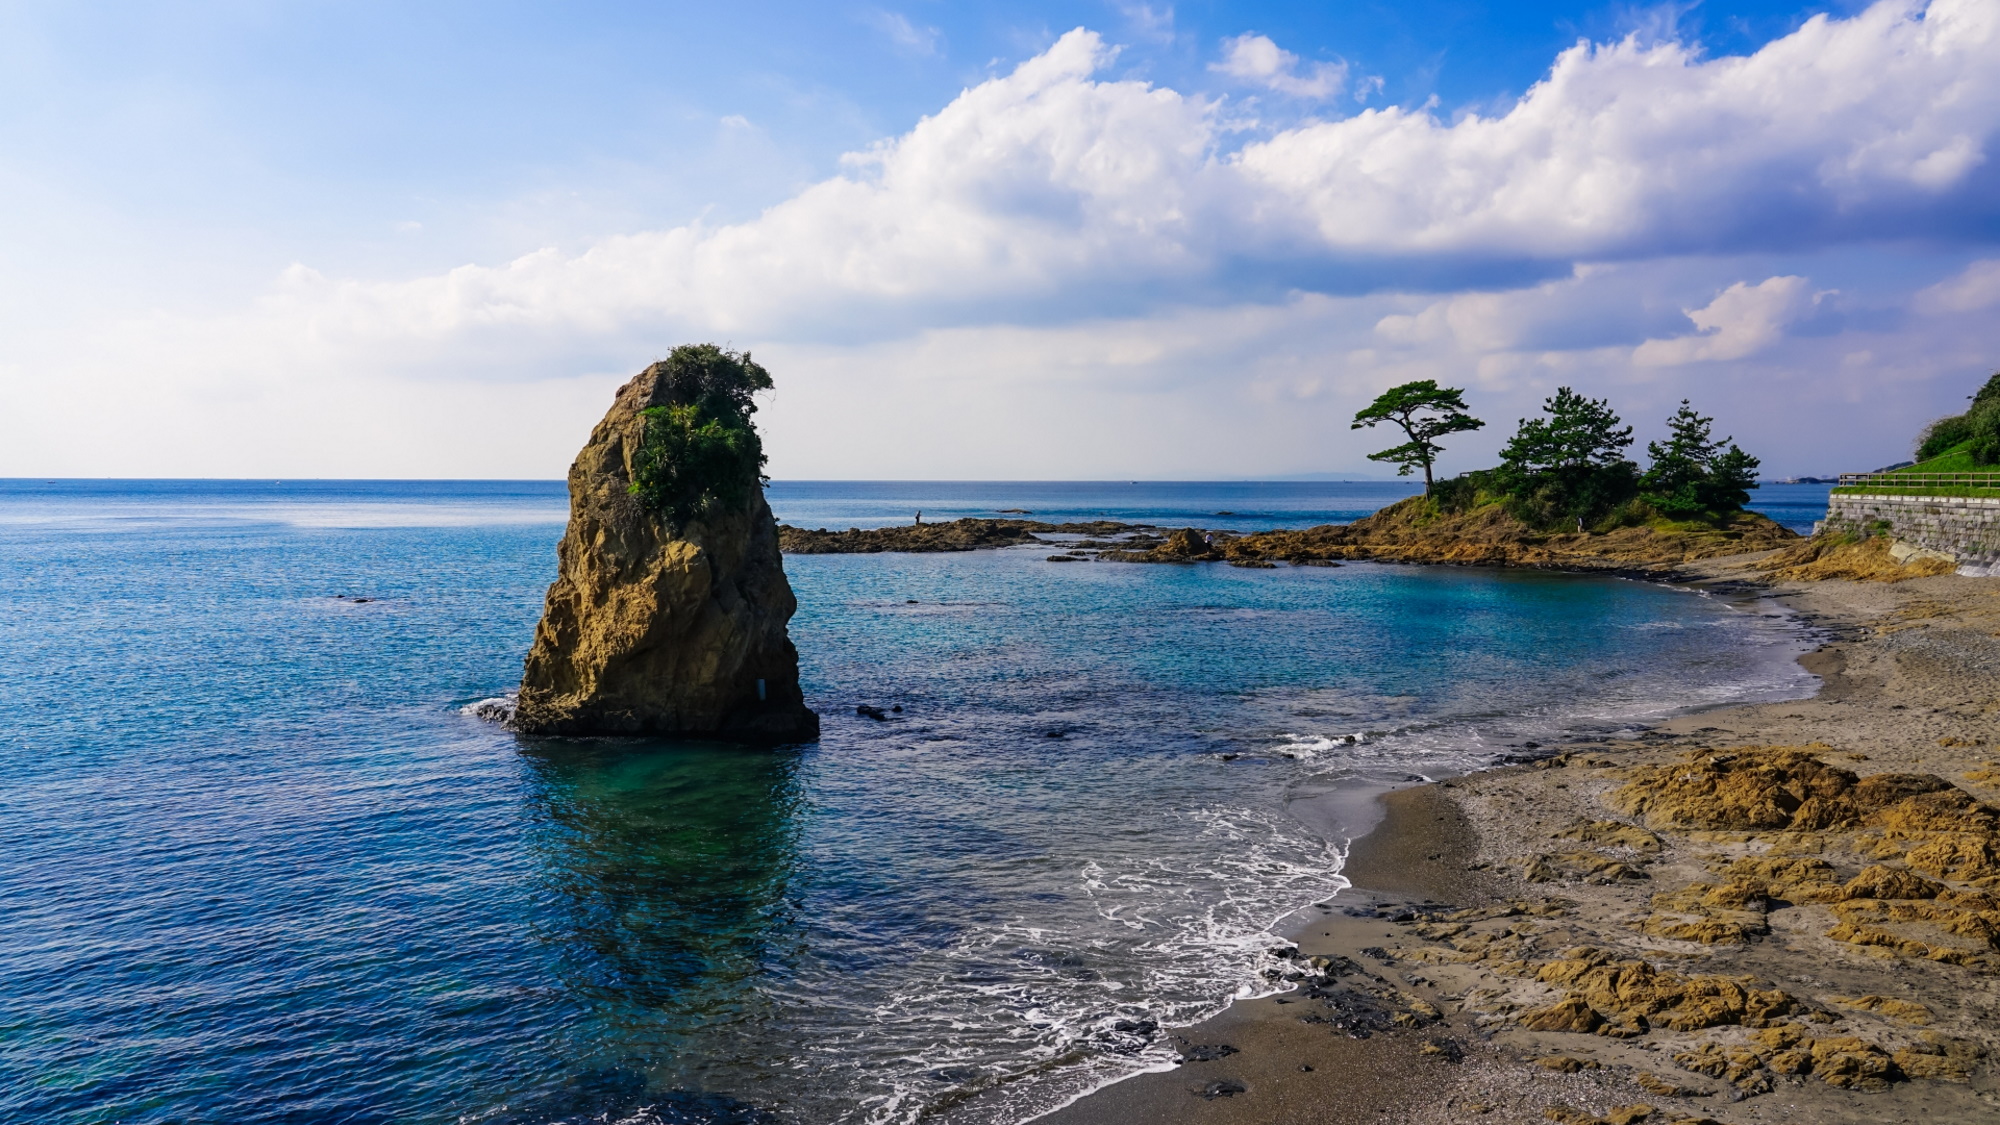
pixel 1056 240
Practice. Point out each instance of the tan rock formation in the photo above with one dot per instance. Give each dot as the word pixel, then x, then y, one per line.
pixel 651 629
pixel 1832 555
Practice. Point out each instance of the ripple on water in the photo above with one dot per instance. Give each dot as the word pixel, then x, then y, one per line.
pixel 264 862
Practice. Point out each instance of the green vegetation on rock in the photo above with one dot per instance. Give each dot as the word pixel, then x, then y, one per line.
pixel 1569 466
pixel 700 451
pixel 1567 471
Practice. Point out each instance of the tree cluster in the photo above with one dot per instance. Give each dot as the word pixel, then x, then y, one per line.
pixel 700 452
pixel 1570 465
pixel 1692 475
pixel 1977 430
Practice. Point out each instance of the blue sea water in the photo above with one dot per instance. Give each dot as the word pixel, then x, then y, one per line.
pixel 1796 506
pixel 1218 505
pixel 258 864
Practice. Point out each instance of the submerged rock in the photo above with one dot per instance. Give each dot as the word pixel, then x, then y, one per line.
pixel 657 626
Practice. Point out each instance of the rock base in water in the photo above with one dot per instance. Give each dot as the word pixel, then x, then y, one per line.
pixel 657 630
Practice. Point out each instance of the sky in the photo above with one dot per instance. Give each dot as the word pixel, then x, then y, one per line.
pixel 1092 240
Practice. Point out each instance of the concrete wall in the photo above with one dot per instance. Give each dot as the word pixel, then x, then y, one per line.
pixel 1967 529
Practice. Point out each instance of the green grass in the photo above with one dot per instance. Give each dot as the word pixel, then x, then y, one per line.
pixel 1957 459
pixel 1945 490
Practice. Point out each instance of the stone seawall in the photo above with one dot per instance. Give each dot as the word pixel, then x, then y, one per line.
pixel 1966 528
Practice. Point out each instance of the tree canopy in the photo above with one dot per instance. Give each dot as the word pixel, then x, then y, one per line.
pixel 1579 433
pixel 1692 474
pixel 1569 464
pixel 700 451
pixel 1424 412
pixel 1978 429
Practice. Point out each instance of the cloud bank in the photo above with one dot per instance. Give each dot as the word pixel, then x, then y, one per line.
pixel 1050 185
pixel 1640 214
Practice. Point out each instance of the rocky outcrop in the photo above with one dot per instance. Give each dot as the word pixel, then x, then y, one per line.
pixel 653 629
pixel 1835 555
pixel 1412 531
pixel 970 534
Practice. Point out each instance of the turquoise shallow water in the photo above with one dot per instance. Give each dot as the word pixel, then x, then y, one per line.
pixel 257 865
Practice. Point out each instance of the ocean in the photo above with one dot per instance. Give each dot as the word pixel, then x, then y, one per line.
pixel 259 863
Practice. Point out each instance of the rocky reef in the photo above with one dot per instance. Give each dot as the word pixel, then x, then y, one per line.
pixel 1783 845
pixel 1833 555
pixel 658 626
pixel 1412 531
pixel 971 534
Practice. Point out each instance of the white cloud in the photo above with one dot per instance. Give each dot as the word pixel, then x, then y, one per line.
pixel 1051 193
pixel 1255 59
pixel 1107 280
pixel 1148 22
pixel 1846 129
pixel 1975 287
pixel 1179 391
pixel 1742 320
pixel 907 36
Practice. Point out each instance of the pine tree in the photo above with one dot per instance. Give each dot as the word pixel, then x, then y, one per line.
pixel 1579 433
pixel 1424 412
pixel 1569 465
pixel 1693 474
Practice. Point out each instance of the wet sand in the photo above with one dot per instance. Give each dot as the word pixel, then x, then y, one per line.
pixel 1449 879
pixel 1420 851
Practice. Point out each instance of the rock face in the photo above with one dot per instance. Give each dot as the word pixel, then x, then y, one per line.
pixel 657 630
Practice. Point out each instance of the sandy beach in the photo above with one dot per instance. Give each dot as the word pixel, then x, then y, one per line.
pixel 1777 912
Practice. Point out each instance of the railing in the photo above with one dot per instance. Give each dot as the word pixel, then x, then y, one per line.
pixel 1919 482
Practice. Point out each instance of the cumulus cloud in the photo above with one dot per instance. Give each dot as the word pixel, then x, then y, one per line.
pixel 1743 319
pixel 1063 240
pixel 1054 191
pixel 1846 129
pixel 1975 287
pixel 1255 59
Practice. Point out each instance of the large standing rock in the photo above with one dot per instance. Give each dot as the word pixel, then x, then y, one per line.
pixel 652 629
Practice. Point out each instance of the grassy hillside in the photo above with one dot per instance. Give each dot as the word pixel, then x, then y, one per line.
pixel 1957 459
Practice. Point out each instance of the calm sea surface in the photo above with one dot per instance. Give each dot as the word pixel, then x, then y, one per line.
pixel 257 864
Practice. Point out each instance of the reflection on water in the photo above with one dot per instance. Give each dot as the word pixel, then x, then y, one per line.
pixel 665 870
